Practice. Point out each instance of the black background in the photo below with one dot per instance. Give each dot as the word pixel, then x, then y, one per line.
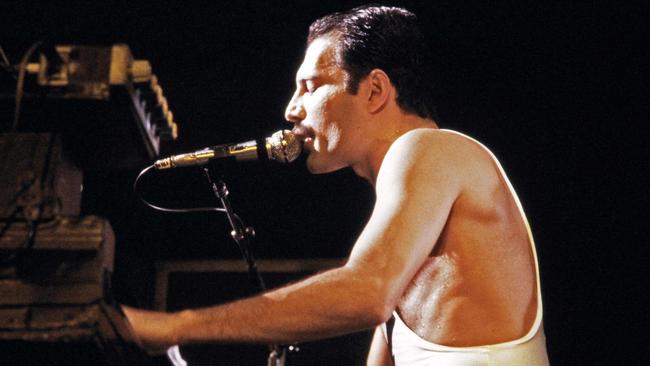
pixel 549 88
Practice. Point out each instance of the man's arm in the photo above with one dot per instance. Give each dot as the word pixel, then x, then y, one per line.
pixel 379 353
pixel 415 193
pixel 328 304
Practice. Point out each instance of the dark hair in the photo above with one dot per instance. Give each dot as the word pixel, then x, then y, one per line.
pixel 381 37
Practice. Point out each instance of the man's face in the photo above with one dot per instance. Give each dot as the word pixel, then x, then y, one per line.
pixel 325 115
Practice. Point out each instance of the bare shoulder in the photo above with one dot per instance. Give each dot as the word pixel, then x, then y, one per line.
pixel 430 142
pixel 437 154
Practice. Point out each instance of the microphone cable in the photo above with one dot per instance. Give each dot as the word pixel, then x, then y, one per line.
pixel 167 209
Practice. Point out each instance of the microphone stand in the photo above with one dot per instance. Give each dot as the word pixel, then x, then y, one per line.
pixel 243 236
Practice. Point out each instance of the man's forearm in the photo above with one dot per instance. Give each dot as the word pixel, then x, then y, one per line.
pixel 328 304
pixel 325 305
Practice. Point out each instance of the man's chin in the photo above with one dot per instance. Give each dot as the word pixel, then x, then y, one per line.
pixel 316 166
pixel 315 169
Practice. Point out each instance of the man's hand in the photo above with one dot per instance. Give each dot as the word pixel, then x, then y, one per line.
pixel 155 330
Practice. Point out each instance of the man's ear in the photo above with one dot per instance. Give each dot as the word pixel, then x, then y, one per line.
pixel 379 90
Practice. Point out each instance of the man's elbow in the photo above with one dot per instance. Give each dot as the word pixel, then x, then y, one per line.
pixel 380 313
pixel 369 312
pixel 380 304
pixel 376 296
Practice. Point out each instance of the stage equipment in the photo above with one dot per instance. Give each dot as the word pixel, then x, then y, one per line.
pixel 37 180
pixel 55 296
pixel 93 91
pixel 243 236
pixel 78 104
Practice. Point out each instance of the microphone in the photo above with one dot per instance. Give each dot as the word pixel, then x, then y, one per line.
pixel 282 147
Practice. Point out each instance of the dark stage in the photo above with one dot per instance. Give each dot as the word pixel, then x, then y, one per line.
pixel 547 87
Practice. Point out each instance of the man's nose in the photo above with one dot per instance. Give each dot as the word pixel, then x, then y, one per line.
pixel 294 112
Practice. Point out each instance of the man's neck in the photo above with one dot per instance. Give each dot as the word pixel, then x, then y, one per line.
pixel 368 168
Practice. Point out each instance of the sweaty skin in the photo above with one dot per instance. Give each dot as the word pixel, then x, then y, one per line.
pixel 447 244
pixel 478 285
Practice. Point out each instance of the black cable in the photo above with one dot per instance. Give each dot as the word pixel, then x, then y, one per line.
pixel 30 240
pixel 10 221
pixel 10 258
pixel 165 209
pixel 33 226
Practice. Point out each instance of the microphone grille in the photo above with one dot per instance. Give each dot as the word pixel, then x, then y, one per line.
pixel 283 146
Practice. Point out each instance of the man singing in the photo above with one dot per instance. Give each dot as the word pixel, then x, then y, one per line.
pixel 445 268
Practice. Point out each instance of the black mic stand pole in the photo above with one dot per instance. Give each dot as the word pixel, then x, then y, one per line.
pixel 243 235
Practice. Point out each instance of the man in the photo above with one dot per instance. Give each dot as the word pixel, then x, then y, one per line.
pixel 445 268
